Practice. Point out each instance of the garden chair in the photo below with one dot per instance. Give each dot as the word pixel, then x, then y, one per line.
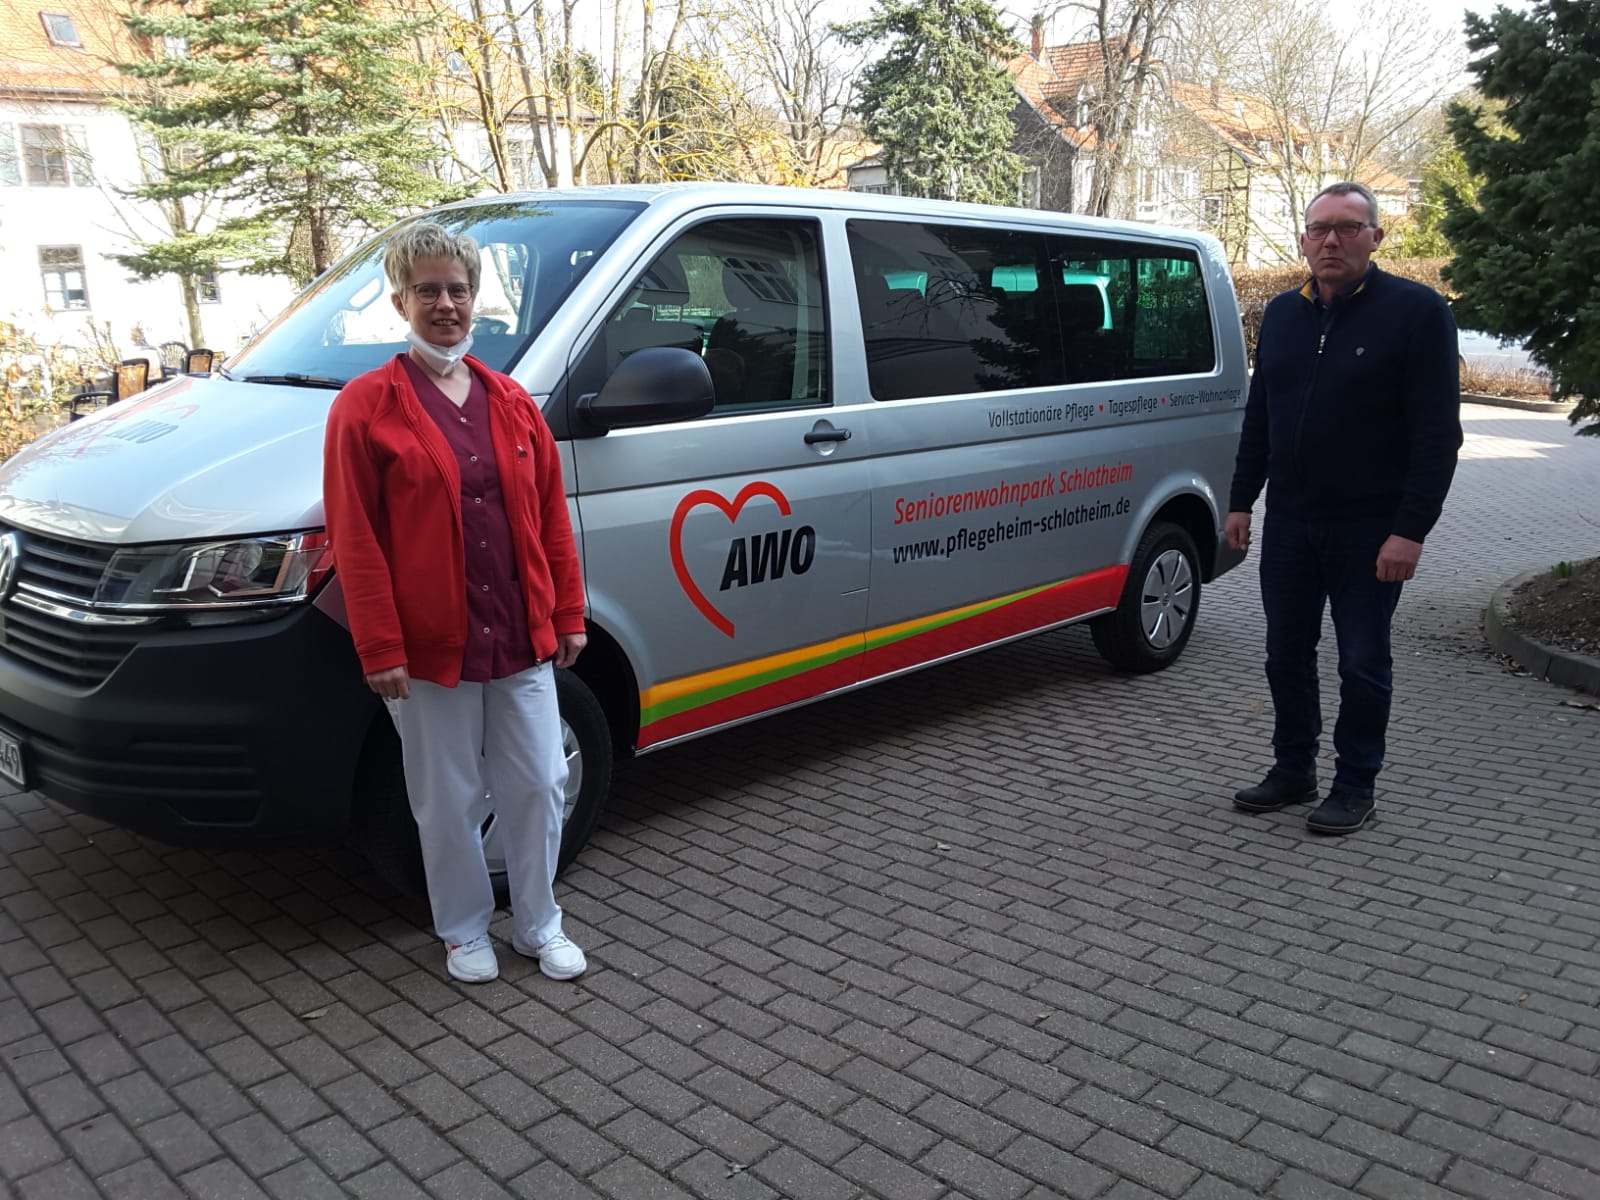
pixel 173 357
pixel 85 402
pixel 133 376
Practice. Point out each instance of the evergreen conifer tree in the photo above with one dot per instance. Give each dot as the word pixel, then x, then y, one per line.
pixel 1527 247
pixel 297 112
pixel 1443 175
pixel 938 98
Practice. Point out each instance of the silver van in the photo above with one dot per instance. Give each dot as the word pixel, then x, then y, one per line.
pixel 810 440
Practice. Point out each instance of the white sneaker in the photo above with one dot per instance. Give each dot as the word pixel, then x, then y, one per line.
pixel 473 961
pixel 559 958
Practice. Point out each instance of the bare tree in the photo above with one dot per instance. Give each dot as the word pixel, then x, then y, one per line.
pixel 1133 36
pixel 799 67
pixel 669 89
pixel 1342 94
pixel 1131 32
pixel 508 69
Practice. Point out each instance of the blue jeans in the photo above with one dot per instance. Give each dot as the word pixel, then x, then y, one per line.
pixel 1306 567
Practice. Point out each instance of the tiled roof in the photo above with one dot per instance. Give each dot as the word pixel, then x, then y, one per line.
pixel 31 64
pixel 1051 86
pixel 1246 123
pixel 839 156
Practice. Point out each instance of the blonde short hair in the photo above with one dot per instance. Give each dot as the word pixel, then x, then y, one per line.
pixel 428 239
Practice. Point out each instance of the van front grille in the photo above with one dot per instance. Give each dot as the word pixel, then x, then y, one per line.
pixel 69 570
pixel 47 636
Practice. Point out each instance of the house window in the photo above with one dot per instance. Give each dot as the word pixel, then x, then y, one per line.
pixel 1212 210
pixel 58 27
pixel 206 288
pixel 62 270
pixel 175 47
pixel 1030 194
pixel 518 154
pixel 55 156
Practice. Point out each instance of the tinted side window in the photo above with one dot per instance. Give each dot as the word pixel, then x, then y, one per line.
pixel 947 309
pixel 1130 311
pixel 744 294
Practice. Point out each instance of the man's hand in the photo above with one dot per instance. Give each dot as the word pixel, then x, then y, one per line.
pixel 568 646
pixel 1397 559
pixel 393 684
pixel 1237 530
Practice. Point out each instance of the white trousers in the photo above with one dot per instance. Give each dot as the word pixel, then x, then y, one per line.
pixel 504 738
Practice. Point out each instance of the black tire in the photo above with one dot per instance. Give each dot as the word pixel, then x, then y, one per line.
pixel 387 834
pixel 1159 604
pixel 587 734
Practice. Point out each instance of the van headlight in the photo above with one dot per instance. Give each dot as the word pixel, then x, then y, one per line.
pixel 227 579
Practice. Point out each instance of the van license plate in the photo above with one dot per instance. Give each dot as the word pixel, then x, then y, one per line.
pixel 11 760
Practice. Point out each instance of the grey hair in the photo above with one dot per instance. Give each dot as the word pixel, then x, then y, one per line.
pixel 428 239
pixel 1350 189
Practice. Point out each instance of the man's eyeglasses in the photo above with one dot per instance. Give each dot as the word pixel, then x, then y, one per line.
pixel 1345 229
pixel 429 293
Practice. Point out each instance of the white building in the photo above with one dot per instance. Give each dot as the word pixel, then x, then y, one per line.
pixel 66 154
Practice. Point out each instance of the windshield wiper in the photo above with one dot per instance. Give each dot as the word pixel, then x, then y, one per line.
pixel 295 379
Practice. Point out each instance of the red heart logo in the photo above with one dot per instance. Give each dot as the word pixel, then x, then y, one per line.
pixel 694 500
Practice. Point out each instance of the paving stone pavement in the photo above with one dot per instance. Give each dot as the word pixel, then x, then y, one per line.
pixel 989 931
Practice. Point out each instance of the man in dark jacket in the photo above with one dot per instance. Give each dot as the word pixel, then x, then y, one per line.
pixel 1353 424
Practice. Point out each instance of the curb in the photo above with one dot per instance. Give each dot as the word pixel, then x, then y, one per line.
pixel 1562 667
pixel 1535 406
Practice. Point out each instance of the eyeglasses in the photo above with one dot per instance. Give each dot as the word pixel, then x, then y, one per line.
pixel 429 293
pixel 1345 229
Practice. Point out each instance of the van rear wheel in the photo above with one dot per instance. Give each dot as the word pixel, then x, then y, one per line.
pixel 387 834
pixel 1160 600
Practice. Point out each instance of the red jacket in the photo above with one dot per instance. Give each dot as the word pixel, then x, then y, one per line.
pixel 393 499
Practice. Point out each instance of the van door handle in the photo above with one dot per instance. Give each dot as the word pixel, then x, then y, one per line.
pixel 827 435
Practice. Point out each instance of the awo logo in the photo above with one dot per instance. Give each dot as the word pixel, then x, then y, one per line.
pixel 751 560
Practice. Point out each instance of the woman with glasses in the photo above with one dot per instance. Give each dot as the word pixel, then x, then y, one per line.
pixel 448 520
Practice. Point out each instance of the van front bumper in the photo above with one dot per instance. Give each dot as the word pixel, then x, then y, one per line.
pixel 233 737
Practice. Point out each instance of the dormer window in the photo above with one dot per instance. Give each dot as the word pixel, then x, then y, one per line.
pixel 58 27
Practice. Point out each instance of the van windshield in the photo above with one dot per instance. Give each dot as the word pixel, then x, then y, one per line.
pixel 534 252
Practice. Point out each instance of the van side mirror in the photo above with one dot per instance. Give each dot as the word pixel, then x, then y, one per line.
pixel 652 386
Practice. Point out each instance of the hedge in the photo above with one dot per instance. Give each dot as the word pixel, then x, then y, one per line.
pixel 1256 285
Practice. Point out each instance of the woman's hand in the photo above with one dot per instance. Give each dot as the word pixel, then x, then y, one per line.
pixel 393 684
pixel 567 647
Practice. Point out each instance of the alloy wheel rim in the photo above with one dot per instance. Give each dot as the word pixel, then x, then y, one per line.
pixel 1167 599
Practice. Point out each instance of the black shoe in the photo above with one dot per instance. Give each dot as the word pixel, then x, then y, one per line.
pixel 1276 791
pixel 1341 812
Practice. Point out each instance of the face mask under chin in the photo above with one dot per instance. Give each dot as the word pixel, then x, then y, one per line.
pixel 442 359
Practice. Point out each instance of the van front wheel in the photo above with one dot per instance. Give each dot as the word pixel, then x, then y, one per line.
pixel 387 834
pixel 1159 603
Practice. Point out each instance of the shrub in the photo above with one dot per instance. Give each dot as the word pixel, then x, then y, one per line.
pixel 39 380
pixel 1520 385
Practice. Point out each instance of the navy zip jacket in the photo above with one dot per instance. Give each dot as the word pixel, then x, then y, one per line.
pixel 1354 409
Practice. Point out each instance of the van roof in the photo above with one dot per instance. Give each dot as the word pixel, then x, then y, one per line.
pixel 686 197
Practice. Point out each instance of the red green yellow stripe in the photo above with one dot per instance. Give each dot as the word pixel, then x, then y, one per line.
pixel 695 702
